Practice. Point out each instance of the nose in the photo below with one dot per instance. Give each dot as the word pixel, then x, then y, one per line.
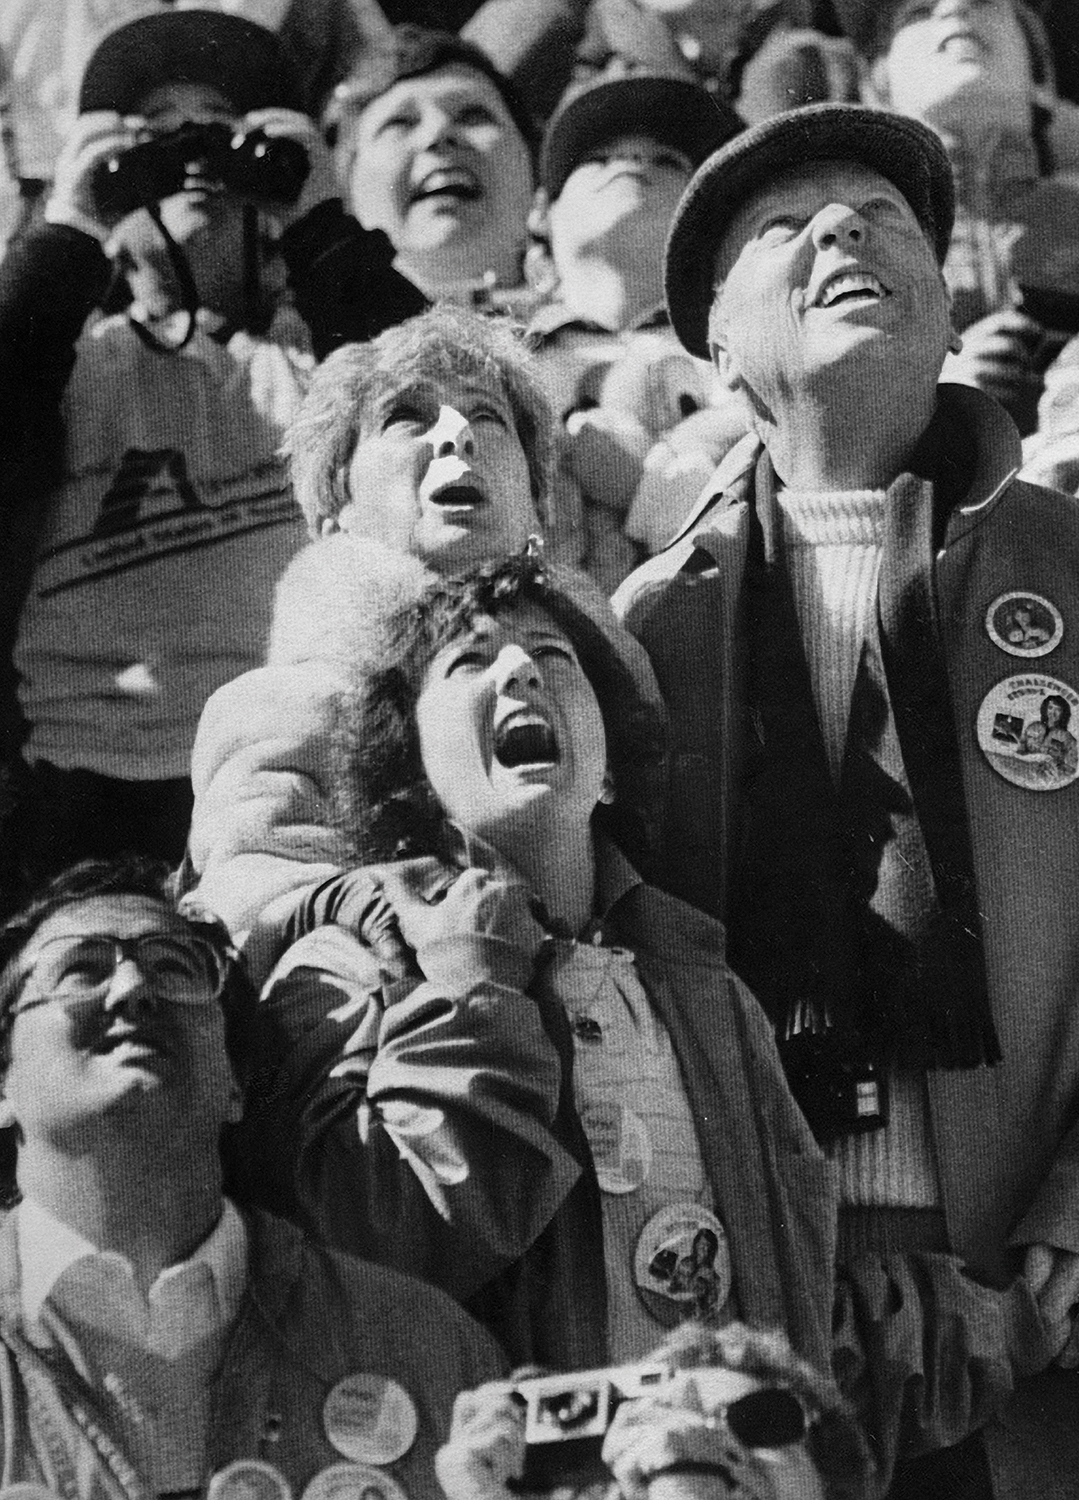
pixel 838 224
pixel 514 670
pixel 435 126
pixel 452 435
pixel 129 987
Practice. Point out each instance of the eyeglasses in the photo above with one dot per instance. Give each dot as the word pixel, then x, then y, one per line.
pixel 181 970
pixel 770 1418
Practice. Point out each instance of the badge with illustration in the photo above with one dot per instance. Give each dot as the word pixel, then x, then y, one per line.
pixel 1024 624
pixel 682 1265
pixel 1024 729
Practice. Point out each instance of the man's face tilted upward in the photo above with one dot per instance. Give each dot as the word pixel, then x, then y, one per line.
pixel 104 1033
pixel 826 271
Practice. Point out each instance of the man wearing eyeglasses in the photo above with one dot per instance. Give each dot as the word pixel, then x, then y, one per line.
pixel 153 1339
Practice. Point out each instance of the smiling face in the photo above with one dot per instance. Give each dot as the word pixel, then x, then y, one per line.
pixel 440 165
pixel 439 471
pixel 826 270
pixel 511 734
pixel 619 201
pixel 125 1056
pixel 945 52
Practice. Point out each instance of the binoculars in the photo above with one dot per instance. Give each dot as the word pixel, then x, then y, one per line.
pixel 252 164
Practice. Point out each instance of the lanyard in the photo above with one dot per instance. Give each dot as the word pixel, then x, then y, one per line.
pixel 65 1421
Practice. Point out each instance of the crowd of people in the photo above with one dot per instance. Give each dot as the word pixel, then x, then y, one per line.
pixel 533 943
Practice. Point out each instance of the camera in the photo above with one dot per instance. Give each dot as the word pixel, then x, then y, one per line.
pixel 567 1417
pixel 253 164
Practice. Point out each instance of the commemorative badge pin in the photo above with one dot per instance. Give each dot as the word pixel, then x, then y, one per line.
pixel 1026 731
pixel 249 1479
pixel 1024 624
pixel 370 1419
pixel 682 1263
pixel 348 1481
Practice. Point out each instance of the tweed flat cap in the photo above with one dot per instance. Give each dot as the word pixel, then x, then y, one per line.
pixel 904 151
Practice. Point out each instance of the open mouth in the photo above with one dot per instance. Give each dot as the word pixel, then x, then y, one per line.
pixel 849 287
pixel 452 183
pixel 525 741
pixel 458 497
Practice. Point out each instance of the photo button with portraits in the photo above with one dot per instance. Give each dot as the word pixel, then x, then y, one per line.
pixel 1026 731
pixel 621 1150
pixel 249 1479
pixel 682 1264
pixel 346 1481
pixel 370 1419
pixel 1024 624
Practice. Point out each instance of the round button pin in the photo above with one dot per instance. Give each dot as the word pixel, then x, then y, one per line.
pixel 621 1149
pixel 1024 624
pixel 682 1262
pixel 347 1481
pixel 249 1479
pixel 370 1419
pixel 1025 731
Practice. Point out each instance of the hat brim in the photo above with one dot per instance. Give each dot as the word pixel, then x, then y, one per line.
pixel 241 60
pixel 675 111
pixel 903 150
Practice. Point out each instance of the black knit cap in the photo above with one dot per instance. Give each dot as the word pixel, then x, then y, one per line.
pixel 672 110
pixel 242 60
pixel 903 150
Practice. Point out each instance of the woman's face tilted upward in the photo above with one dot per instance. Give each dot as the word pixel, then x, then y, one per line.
pixel 511 733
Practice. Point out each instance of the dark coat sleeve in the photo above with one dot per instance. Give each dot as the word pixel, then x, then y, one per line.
pixel 343 280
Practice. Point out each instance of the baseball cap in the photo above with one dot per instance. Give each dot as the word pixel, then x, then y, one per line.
pixel 242 60
pixel 667 108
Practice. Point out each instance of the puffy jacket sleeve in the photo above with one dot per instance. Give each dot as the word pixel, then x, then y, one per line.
pixel 407 1119
pixel 262 831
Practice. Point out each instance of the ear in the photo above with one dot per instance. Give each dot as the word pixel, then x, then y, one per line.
pixel 725 365
pixel 7 1112
pixel 875 88
pixel 328 525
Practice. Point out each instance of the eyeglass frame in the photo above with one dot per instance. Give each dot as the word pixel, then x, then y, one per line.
pixel 124 949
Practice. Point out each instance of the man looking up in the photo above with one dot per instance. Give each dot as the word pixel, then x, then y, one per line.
pixel 846 787
pixel 151 1336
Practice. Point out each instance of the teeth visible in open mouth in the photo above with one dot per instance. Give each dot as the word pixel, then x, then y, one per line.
pixel 525 742
pixel 453 182
pixel 851 284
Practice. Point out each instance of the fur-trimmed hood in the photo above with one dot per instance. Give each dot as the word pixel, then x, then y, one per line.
pixel 333 599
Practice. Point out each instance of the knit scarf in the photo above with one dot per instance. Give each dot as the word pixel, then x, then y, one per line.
pixel 853 979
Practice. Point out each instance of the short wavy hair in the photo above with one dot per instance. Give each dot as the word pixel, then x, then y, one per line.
pixel 415 51
pixel 385 804
pixel 446 341
pixel 124 875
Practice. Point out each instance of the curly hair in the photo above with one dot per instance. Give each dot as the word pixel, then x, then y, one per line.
pixel 385 803
pixel 835 1440
pixel 444 342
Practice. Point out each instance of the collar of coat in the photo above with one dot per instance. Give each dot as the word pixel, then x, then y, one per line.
pixel 996 456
